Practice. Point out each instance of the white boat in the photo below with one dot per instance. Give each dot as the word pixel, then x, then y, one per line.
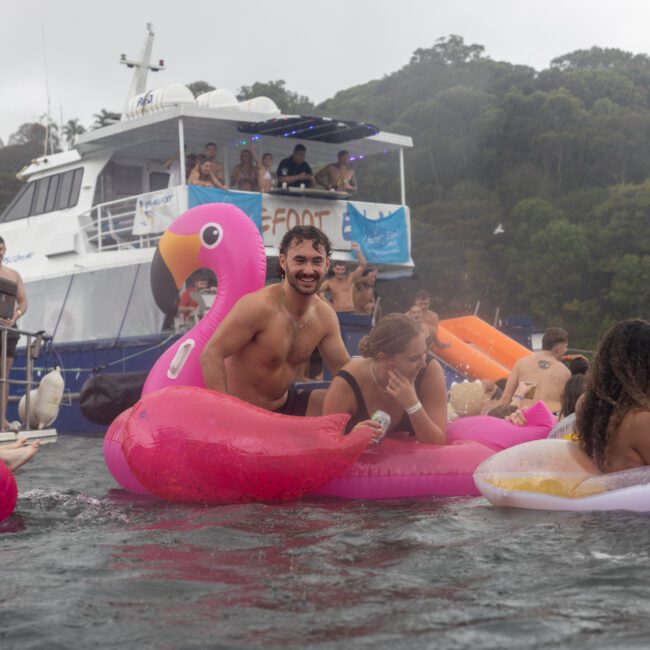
pixel 83 229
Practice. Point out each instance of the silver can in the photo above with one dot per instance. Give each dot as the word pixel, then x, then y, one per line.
pixel 384 421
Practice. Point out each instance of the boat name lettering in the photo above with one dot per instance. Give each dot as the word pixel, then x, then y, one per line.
pixel 19 257
pixel 283 219
pixel 148 204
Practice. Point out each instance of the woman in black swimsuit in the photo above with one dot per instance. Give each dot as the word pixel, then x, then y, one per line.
pixel 396 375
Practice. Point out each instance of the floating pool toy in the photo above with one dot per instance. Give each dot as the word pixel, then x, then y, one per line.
pixel 501 434
pixel 399 468
pixel 558 475
pixel 8 492
pixel 194 445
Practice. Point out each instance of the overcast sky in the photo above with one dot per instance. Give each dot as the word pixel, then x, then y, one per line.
pixel 318 48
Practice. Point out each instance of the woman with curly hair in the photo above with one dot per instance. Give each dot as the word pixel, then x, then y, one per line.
pixel 613 415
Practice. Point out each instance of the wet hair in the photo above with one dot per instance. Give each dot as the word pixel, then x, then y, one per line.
pixel 368 270
pixel 553 336
pixel 423 295
pixel 572 391
pixel 390 335
pixel 500 387
pixel 299 234
pixel 618 384
pixel 579 366
pixel 299 147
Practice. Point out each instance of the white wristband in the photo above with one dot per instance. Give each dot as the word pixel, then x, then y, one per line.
pixel 414 409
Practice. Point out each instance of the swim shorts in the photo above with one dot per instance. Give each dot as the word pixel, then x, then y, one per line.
pixel 296 404
pixel 12 341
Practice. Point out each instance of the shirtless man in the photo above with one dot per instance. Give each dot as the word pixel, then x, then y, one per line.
pixel 217 167
pixel 19 310
pixel 258 349
pixel 364 296
pixel 338 176
pixel 543 373
pixel 430 318
pixel 341 286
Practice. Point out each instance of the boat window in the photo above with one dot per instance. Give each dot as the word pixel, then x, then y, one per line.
pixel 41 194
pixel 76 187
pixel 143 316
pixel 96 305
pixel 63 200
pixel 45 302
pixel 51 194
pixel 158 181
pixel 22 204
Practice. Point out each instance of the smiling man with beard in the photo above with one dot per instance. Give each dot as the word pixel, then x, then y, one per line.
pixel 257 350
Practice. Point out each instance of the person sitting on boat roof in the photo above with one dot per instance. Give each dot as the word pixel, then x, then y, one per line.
pixel 398 376
pixel 339 175
pixel 217 167
pixel 258 349
pixel 294 170
pixel 244 175
pixel 203 174
pixel 341 286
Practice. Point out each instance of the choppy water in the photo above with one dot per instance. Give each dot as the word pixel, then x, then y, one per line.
pixel 85 565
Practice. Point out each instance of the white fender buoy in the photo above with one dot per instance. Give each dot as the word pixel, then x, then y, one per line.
pixel 44 401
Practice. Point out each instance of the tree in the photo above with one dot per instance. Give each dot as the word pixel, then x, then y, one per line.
pixel 287 100
pixel 200 87
pixel 105 118
pixel 34 133
pixel 71 129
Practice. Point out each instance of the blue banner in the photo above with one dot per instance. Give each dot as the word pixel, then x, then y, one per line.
pixel 383 240
pixel 248 202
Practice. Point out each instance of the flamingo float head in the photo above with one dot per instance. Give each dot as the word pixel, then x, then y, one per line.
pixel 215 236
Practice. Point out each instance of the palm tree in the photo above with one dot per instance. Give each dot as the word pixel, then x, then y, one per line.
pixel 104 118
pixel 71 129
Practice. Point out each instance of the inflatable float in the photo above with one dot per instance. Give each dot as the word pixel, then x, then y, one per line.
pixel 399 468
pixel 558 475
pixel 8 492
pixel 213 448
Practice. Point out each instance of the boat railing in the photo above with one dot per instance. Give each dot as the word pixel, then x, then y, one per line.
pixel 35 341
pixel 109 226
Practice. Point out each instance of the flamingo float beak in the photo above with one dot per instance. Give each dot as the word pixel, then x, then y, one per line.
pixel 176 257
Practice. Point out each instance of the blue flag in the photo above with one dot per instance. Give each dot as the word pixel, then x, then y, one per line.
pixel 383 240
pixel 248 202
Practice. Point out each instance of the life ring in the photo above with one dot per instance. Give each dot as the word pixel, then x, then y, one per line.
pixel 8 491
pixel 557 475
pixel 194 445
pixel 398 468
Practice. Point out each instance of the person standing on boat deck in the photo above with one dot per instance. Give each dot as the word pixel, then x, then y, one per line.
pixel 173 166
pixel 364 295
pixel 217 167
pixel 203 175
pixel 257 350
pixel 19 310
pixel 265 180
pixel 338 176
pixel 244 175
pixel 430 318
pixel 294 170
pixel 341 286
pixel 544 373
pixel 398 376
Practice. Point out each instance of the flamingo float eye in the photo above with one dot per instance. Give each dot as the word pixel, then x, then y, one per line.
pixel 211 235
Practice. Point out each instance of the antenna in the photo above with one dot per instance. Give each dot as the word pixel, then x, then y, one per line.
pixel 47 91
pixel 141 67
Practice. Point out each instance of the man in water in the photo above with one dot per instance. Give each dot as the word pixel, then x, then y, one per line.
pixel 258 349
pixel 430 318
pixel 19 310
pixel 338 176
pixel 341 286
pixel 541 376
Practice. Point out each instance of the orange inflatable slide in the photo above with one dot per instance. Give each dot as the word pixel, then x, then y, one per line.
pixel 478 350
